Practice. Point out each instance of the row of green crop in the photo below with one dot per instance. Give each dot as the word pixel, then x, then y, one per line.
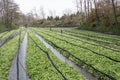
pixel 88 47
pixel 82 35
pixel 114 44
pixel 39 66
pixel 109 38
pixel 113 57
pixel 7 54
pixel 101 35
pixel 83 40
pixel 111 43
pixel 90 33
pixel 101 63
pixel 2 34
pixel 7 34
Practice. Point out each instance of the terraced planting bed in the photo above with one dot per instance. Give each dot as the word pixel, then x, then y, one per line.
pixel 5 35
pixel 39 65
pixel 59 54
pixel 96 56
pixel 7 54
pixel 110 41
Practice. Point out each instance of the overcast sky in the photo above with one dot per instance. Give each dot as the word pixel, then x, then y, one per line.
pixel 54 5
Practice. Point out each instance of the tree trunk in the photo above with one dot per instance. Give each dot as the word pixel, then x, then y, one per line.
pixel 88 3
pixel 85 7
pixel 96 12
pixel 81 6
pixel 114 13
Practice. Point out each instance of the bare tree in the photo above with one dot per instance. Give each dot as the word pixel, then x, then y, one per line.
pixel 68 12
pixel 1 10
pixel 85 7
pixel 9 10
pixel 42 13
pixel 52 13
pixel 34 12
pixel 81 11
pixel 77 5
pixel 88 6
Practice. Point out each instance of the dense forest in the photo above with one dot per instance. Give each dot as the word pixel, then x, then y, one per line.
pixel 97 15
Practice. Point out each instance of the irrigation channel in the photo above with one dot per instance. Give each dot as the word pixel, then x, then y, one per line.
pixel 18 68
pixel 83 71
pixel 9 38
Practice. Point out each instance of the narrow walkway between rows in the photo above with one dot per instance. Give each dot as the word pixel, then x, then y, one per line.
pixel 18 69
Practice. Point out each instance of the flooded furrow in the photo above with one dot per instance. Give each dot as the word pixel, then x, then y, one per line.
pixel 18 68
